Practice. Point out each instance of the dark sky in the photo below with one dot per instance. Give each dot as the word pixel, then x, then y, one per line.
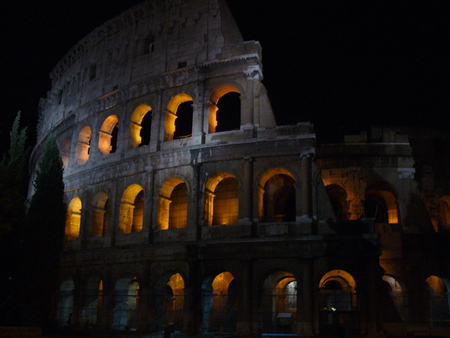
pixel 343 65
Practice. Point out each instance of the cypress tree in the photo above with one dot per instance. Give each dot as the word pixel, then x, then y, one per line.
pixel 12 198
pixel 43 236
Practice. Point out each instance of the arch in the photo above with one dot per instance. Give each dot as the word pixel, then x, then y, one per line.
pixel 219 304
pixel 276 196
pixel 126 304
pixel 338 304
pixel 279 303
pixel 224 109
pixel 221 199
pixel 172 204
pixel 140 126
pixel 444 214
pixel 170 301
pixel 73 219
pixel 398 295
pixel 183 127
pixel 65 152
pixel 83 145
pixel 380 203
pixel 438 300
pixel 338 199
pixel 132 210
pixel 107 140
pixel 65 303
pixel 92 302
pixel 99 215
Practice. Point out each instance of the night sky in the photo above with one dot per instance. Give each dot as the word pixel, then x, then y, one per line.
pixel 343 65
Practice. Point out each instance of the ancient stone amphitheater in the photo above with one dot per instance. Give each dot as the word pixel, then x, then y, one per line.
pixel 188 208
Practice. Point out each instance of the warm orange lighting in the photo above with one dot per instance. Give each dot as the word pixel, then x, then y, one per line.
pixel 171 114
pixel 73 219
pixel 221 200
pixel 105 134
pixel 83 145
pixel 135 125
pixel 131 209
pixel 214 99
pixel 167 216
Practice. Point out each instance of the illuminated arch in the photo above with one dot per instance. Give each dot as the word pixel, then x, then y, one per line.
pixel 398 295
pixel 83 145
pixel 276 196
pixel 140 125
pixel 221 199
pixel 92 301
pixel 73 219
pixel 438 299
pixel 233 111
pixel 132 210
pixel 65 152
pixel 337 303
pixel 338 199
pixel 279 303
pixel 170 302
pixel 219 303
pixel 381 203
pixel 65 302
pixel 172 113
pixel 99 214
pixel 126 304
pixel 107 140
pixel 444 214
pixel 172 204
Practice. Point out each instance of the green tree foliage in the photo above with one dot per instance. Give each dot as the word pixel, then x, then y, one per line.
pixel 43 236
pixel 12 197
pixel 12 179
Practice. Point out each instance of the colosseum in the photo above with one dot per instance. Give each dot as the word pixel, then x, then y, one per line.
pixel 189 210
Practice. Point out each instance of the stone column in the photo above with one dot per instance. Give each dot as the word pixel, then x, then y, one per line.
pixel 305 302
pixel 247 324
pixel 305 201
pixel 246 196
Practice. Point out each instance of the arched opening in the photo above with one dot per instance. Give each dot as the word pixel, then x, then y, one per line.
pixel 338 199
pixel 83 145
pixel 279 303
pixel 398 296
pixel 219 304
pixel 132 210
pixel 173 205
pixel 221 200
pixel 73 219
pixel 65 303
pixel 444 214
pixel 438 300
pixel 179 113
pixel 126 301
pixel 92 302
pixel 381 203
pixel 338 304
pixel 99 214
pixel 141 126
pixel 170 303
pixel 225 109
pixel 65 152
pixel 107 141
pixel 277 201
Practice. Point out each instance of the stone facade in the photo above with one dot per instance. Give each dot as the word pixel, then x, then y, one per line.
pixel 188 207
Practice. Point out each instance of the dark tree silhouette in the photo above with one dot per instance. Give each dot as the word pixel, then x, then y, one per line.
pixel 43 236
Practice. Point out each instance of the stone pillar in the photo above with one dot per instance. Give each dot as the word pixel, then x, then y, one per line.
pixel 246 198
pixel 305 196
pixel 195 209
pixel 247 324
pixel 305 302
pixel 192 296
